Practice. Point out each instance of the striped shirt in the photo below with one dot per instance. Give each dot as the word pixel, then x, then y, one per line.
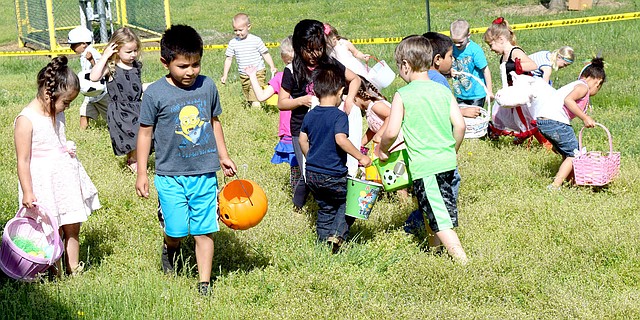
pixel 542 59
pixel 248 52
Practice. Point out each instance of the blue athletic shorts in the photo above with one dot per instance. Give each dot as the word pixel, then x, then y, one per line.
pixel 436 200
pixel 560 135
pixel 189 204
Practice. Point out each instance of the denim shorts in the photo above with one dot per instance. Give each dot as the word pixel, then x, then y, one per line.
pixel 560 135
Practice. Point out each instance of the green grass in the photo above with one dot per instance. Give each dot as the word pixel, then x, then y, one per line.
pixel 534 254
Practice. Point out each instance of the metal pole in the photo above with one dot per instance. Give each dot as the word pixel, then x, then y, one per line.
pixel 104 36
pixel 428 17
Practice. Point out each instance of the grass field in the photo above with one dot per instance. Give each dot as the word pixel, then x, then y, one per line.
pixel 533 254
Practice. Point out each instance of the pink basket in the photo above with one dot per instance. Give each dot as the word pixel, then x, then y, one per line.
pixel 596 168
pixel 34 224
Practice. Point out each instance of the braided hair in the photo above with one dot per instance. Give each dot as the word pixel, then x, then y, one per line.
pixel 55 79
pixel 368 91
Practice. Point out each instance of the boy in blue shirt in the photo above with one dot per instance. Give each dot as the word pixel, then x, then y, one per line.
pixel 469 57
pixel 433 130
pixel 325 144
pixel 180 112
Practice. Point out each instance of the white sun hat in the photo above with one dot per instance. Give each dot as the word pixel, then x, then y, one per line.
pixel 80 34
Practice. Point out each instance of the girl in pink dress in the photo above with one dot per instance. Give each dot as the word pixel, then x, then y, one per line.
pixel 49 173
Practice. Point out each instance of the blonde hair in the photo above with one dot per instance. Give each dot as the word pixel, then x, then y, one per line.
pixel 499 28
pixel 459 27
pixel 121 37
pixel 286 49
pixel 565 53
pixel 241 17
pixel 416 51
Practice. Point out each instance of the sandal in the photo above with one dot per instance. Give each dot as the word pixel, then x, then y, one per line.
pixel 77 270
pixel 133 166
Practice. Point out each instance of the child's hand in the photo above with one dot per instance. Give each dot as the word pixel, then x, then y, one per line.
pixel 364 161
pixel 89 57
pixel 383 156
pixel 71 148
pixel 305 101
pixel 142 185
pixel 228 167
pixel 251 70
pixel 223 79
pixel 470 112
pixel 110 50
pixel 28 198
pixel 589 122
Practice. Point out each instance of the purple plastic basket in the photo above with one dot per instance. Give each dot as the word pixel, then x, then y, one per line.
pixel 37 225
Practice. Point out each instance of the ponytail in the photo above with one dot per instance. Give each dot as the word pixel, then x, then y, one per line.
pixel 55 79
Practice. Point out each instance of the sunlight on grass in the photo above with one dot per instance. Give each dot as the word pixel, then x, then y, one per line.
pixel 533 254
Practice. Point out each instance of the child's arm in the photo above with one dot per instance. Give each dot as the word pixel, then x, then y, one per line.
pixel 382 111
pixel 304 143
pixel 22 140
pixel 393 127
pixel 457 121
pixel 286 103
pixel 578 93
pixel 269 61
pixel 354 84
pixel 100 69
pixel 525 62
pixel 367 136
pixel 227 67
pixel 261 94
pixel 487 81
pixel 346 145
pixel 143 146
pixel 356 53
pixel 228 166
pixel 546 73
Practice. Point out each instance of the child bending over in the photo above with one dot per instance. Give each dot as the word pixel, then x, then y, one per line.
pixel 570 101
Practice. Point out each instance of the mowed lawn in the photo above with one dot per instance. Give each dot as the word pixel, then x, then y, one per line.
pixel 533 254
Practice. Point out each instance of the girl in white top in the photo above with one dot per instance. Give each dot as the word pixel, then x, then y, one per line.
pixel 345 52
pixel 49 173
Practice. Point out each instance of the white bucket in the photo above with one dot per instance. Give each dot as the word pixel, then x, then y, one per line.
pixel 381 75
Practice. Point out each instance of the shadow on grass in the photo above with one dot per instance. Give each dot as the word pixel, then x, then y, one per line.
pixel 97 245
pixel 20 300
pixel 230 255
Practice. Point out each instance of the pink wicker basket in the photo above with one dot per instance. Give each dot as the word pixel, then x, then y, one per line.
pixel 38 226
pixel 595 168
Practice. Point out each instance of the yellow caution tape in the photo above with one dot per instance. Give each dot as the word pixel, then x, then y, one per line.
pixel 389 40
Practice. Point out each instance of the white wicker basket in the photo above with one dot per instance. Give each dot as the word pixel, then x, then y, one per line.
pixel 477 127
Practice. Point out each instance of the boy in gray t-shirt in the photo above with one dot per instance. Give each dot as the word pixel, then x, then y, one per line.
pixel 180 111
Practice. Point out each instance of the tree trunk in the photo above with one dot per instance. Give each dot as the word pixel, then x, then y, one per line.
pixel 557 5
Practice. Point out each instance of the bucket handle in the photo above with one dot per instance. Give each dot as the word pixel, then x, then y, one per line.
pixel 235 174
pixel 243 189
pixel 42 212
pixel 374 58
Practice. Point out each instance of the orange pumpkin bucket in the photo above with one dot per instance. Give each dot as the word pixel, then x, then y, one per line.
pixel 242 204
